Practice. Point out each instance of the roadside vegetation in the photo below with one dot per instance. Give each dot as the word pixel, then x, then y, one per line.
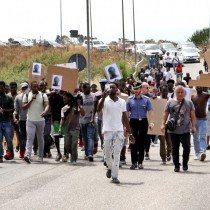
pixel 15 62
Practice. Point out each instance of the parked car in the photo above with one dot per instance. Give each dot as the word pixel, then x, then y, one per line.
pixel 120 48
pixel 152 49
pixel 97 44
pixel 180 46
pixel 190 55
pixel 46 43
pixel 166 47
pixel 172 54
pixel 139 48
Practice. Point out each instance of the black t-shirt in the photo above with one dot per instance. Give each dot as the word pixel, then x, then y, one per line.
pixel 6 102
pixel 56 104
pixel 187 79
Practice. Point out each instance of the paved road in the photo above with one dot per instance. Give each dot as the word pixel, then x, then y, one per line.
pixel 61 186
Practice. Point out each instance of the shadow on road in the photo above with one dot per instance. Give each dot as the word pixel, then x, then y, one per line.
pixel 131 183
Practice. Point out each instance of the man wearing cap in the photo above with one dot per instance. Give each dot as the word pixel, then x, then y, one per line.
pixel 20 116
pixel 138 106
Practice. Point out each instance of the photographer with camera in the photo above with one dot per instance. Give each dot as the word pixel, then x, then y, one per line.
pixel 182 119
pixel 70 114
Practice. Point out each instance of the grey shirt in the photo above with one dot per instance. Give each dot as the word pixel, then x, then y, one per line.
pixel 88 105
pixel 18 107
pixel 184 119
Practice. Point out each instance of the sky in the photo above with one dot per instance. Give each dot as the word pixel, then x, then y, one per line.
pixel 163 19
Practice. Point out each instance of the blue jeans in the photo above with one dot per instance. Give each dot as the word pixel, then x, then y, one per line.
pixel 6 131
pixel 200 136
pixel 88 131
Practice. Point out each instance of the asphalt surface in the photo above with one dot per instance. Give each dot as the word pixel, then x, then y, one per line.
pixel 59 186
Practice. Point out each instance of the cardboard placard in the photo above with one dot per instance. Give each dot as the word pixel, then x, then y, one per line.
pixel 204 76
pixel 61 78
pixel 207 57
pixel 158 106
pixel 200 83
pixel 36 72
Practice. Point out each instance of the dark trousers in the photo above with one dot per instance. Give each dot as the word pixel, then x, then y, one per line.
pixel 139 130
pixel 148 142
pixel 23 135
pixel 184 139
pixel 47 137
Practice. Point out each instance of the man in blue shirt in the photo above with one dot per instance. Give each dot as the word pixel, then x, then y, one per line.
pixel 138 106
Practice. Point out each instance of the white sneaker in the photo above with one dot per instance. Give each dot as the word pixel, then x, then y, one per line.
pixel 196 156
pixel 39 159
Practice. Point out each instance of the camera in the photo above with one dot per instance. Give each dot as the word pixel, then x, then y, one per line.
pixel 77 97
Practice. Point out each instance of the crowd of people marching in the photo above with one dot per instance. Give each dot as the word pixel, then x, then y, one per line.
pixel 119 114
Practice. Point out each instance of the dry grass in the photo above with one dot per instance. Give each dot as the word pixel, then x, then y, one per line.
pixel 15 61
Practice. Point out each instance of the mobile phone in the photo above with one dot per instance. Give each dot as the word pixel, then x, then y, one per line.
pixel 107 86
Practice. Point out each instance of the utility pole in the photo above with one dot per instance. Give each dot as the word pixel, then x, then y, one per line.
pixel 88 40
pixel 123 27
pixel 134 32
pixel 61 19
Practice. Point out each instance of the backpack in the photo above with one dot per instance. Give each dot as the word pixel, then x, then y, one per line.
pixel 26 94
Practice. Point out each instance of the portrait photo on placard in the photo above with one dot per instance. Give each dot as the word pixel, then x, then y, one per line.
pixel 113 73
pixel 37 69
pixel 57 82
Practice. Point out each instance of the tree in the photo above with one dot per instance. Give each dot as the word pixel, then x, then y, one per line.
pixel 11 40
pixel 200 37
pixel 150 41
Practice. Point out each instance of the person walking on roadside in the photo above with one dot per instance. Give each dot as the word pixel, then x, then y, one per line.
pixel 175 61
pixel 184 112
pixel 87 121
pixel 200 102
pixel 37 105
pixel 20 116
pixel 165 140
pixel 138 107
pixel 6 109
pixel 70 114
pixel 114 117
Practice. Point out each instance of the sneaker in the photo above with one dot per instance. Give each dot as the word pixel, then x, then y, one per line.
pixel 90 158
pixel 202 157
pixel 115 181
pixel 1 159
pixel 22 154
pixel 163 162
pixel 146 157
pixel 40 159
pixel 169 158
pixel 27 159
pixel 208 147
pixel 58 157
pixel 196 157
pixel 74 163
pixel 108 173
pixel 133 166
pixel 95 150
pixel 140 166
pixel 64 158
pixel 177 169
pixel 8 156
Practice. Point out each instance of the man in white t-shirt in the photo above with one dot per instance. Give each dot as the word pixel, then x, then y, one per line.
pixel 114 117
pixel 37 105
pixel 167 74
